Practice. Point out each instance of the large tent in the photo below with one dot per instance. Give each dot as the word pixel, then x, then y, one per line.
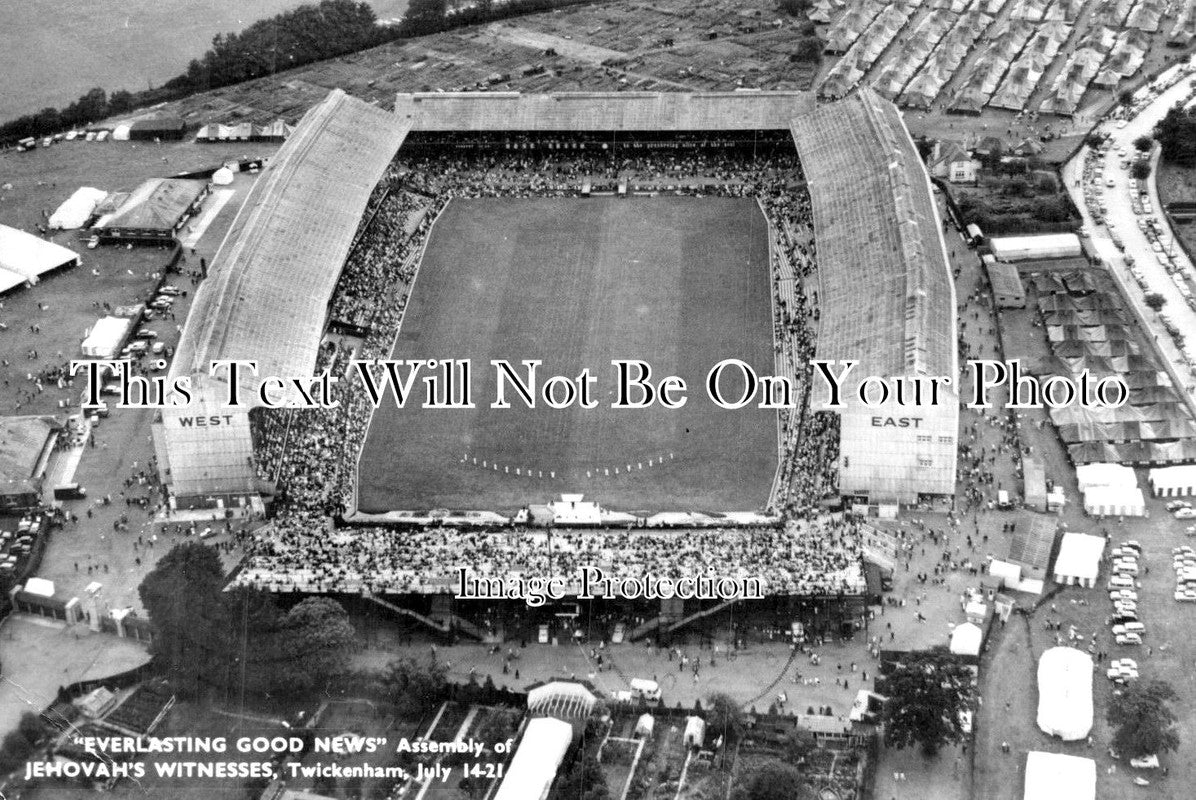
pixel 77 209
pixel 1173 481
pixel 104 340
pixel 1112 501
pixel 25 257
pixel 1054 776
pixel 1079 557
pixel 536 761
pixel 1065 693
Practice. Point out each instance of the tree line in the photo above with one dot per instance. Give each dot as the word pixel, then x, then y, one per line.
pixel 290 39
pixel 1177 136
pixel 309 33
pixel 209 641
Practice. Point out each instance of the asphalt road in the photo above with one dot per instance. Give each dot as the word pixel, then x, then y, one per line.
pixel 1122 221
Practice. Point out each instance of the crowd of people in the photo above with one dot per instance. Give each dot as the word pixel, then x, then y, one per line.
pixel 311 455
pixel 301 552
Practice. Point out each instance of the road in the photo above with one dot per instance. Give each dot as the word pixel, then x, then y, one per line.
pixel 1123 222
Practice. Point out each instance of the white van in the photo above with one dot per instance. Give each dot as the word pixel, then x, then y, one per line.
pixel 644 689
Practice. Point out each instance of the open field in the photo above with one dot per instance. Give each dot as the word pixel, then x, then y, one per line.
pixel 680 282
pixel 51 51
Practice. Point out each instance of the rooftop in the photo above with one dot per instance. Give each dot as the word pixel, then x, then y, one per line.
pixel 887 296
pixel 601 111
pixel 267 292
pixel 156 204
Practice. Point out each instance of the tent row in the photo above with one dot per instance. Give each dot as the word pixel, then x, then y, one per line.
pixel 276 131
pixel 1145 454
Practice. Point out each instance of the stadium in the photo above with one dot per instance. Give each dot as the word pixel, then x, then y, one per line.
pixel 575 229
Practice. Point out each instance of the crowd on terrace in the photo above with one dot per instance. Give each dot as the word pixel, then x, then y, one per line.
pixel 311 455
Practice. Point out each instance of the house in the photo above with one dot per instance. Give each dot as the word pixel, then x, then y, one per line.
pixel 949 160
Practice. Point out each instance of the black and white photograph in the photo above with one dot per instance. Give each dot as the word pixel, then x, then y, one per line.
pixel 597 399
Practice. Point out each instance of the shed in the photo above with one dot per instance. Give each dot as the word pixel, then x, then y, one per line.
pixel 1039 246
pixel 1034 488
pixel 1008 291
pixel 1079 558
pixel 1032 543
pixel 645 725
pixel 164 128
pixel 695 732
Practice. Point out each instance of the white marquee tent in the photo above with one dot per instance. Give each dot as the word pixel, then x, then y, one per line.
pixel 536 761
pixel 1173 481
pixel 1091 476
pixel 106 337
pixel 77 209
pixel 1115 501
pixel 1079 557
pixel 24 257
pixel 1053 776
pixel 1065 693
pixel 965 639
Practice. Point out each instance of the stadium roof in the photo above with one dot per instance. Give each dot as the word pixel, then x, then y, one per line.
pixel 886 296
pixel 268 287
pixel 601 111
pixel 156 205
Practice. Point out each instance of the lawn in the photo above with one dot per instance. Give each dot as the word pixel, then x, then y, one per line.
pixel 681 283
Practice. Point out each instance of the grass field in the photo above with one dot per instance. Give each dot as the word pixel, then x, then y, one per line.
pixel 679 282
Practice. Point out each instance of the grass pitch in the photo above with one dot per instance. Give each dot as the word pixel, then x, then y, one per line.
pixel 679 282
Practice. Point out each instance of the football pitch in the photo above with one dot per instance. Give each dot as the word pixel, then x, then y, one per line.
pixel 679 282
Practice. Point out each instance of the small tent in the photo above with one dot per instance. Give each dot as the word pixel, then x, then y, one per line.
pixel 1078 561
pixel 965 639
pixel 222 176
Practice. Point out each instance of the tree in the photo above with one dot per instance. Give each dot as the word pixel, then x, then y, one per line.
pixel 926 697
pixel 1155 301
pixel 724 717
pixel 318 640
pixel 423 17
pixel 795 8
pixel 1143 720
pixel 183 597
pixel 416 685
pixel 809 49
pixel 1126 97
pixel 771 780
pixel 1176 133
pixel 1140 170
pixel 1143 144
pixel 584 780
